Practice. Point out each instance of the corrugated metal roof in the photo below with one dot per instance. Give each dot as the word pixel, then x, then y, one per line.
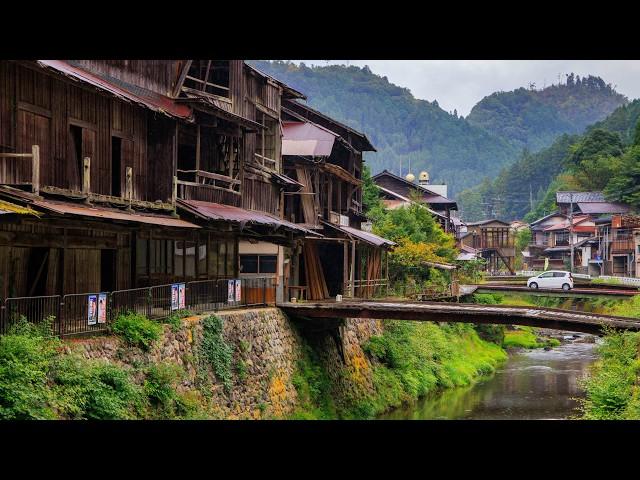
pixel 306 139
pixel 228 213
pixel 285 180
pixel 120 89
pixel 95 212
pixel 580 197
pixel 367 237
pixel 602 207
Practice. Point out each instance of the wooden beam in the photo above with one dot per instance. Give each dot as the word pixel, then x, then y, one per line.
pixel 35 169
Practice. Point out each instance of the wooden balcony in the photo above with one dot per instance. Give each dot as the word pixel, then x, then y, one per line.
pixel 622 245
pixel 208 187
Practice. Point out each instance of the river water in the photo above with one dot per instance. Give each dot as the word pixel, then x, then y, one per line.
pixel 532 384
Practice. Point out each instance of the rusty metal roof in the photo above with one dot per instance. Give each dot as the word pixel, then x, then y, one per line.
pixel 64 208
pixel 124 91
pixel 228 213
pixel 603 207
pixel 283 179
pixel 307 139
pixel 366 237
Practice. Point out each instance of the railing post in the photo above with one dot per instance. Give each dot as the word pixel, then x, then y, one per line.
pixel 35 169
pixel 264 291
pixel 174 190
pixel 61 317
pixel 128 186
pixel 149 302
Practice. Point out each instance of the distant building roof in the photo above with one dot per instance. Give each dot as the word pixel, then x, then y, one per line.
pixel 427 195
pixel 547 217
pixel 602 207
pixel 580 197
pixel 484 222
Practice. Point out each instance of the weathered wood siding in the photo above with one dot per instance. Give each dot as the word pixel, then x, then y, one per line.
pixel 36 108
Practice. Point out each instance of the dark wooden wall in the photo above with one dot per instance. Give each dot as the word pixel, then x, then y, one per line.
pixel 36 108
pixel 157 75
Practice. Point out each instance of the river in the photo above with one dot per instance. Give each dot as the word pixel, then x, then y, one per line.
pixel 532 384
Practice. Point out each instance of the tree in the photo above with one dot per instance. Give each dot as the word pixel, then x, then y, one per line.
pixel 624 186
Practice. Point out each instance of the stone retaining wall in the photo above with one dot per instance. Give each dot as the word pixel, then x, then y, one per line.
pixel 267 344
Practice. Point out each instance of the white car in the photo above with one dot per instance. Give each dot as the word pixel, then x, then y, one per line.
pixel 552 279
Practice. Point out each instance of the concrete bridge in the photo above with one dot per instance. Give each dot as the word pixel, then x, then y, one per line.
pixel 552 318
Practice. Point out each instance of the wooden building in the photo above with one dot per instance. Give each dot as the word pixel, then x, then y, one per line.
pixel 494 240
pixel 325 157
pixel 397 192
pixel 109 152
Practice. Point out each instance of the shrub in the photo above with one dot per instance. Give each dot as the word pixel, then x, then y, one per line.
pixel 137 330
pixel 175 319
pixel 25 359
pixel 215 350
pixel 95 389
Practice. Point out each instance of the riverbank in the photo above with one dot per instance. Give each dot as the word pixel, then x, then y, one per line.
pixel 613 388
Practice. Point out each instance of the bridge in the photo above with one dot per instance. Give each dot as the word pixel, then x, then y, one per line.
pixel 552 318
pixel 549 292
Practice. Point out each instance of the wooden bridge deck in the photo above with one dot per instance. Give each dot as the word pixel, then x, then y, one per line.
pixel 574 292
pixel 552 318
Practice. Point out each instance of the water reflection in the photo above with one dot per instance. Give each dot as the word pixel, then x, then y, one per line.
pixel 534 384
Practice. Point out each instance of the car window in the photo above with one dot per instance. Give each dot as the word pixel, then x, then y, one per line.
pixel 559 274
pixel 547 275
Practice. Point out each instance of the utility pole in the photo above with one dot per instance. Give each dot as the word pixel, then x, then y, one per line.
pixel 571 228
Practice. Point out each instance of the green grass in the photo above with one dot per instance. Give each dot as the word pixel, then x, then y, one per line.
pixel 525 337
pixel 612 389
pixel 413 359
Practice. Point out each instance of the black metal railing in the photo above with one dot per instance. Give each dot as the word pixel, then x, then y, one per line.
pixel 83 313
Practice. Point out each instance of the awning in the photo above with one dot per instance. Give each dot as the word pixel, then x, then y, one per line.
pixel 125 91
pixel 63 208
pixel 366 237
pixel 228 213
pixel 282 179
pixel 306 139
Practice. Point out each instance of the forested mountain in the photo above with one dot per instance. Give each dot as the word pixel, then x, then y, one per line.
pixel 402 128
pixel 533 119
pixel 457 151
pixel 591 161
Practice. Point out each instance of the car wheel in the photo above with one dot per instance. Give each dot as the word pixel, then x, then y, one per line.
pixel 566 287
pixel 533 285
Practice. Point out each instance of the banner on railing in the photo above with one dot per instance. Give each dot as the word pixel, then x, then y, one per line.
pixel 92 309
pixel 102 307
pixel 178 301
pixel 231 286
pixel 238 296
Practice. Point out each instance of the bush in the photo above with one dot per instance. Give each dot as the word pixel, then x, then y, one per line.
pixel 25 360
pixel 95 389
pixel 137 330
pixel 175 319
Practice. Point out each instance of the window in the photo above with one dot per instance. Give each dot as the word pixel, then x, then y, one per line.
pixel 266 141
pixel 190 260
pixel 209 76
pixel 258 264
pixel 141 257
pixel 248 263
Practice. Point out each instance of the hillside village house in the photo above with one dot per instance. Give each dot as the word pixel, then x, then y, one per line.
pixel 119 174
pixel 494 241
pixel 124 146
pixel 601 245
pixel 396 192
pixel 324 157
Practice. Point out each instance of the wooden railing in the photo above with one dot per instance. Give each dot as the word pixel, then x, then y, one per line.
pixel 208 186
pixel 266 162
pixel 33 179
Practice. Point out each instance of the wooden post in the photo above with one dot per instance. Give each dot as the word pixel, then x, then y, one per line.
pixel 353 268
pixel 198 152
pixel 35 169
pixel 174 191
pixel 345 266
pixel 86 177
pixel 128 189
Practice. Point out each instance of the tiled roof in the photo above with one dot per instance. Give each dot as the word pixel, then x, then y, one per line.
pixel 580 197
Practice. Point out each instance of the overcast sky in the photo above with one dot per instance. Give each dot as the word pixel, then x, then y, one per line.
pixel 460 84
